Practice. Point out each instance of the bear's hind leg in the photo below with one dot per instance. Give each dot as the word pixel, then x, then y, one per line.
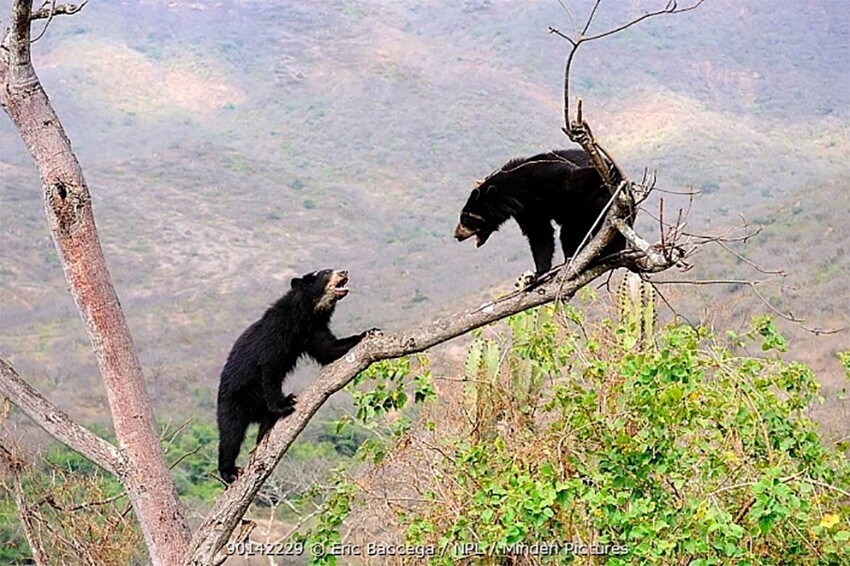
pixel 232 424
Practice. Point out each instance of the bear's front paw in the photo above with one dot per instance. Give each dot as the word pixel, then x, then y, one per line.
pixel 286 407
pixel 372 332
pixel 525 280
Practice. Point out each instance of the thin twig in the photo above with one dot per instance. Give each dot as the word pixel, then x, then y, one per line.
pixel 753 285
pixel 590 17
pixel 671 8
pixel 184 456
pixel 60 10
pixel 578 40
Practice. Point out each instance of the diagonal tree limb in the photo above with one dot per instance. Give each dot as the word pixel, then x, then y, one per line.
pixel 57 423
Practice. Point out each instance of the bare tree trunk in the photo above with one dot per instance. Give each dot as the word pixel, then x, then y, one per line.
pixel 71 220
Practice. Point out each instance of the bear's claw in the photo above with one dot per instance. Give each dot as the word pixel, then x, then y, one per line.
pixel 524 281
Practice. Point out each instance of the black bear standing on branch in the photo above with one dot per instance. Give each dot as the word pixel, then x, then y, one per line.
pixel 561 185
pixel 250 388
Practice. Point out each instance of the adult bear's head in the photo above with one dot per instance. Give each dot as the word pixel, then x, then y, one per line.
pixel 486 209
pixel 322 288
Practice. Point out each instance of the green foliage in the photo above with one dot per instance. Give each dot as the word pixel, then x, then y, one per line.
pixel 765 327
pixel 844 357
pixel 389 392
pixel 680 448
pixel 325 533
pixel 195 451
pixel 13 545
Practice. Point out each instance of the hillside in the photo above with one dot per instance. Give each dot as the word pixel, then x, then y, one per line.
pixel 232 145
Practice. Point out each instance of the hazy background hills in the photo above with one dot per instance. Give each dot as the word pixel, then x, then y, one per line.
pixel 232 145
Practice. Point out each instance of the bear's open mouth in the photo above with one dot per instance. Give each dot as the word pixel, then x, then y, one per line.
pixel 481 238
pixel 463 232
pixel 339 287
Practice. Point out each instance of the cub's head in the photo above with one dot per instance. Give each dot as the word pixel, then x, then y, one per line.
pixel 322 288
pixel 487 208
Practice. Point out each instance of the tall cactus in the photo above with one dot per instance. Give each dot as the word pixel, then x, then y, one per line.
pixel 636 309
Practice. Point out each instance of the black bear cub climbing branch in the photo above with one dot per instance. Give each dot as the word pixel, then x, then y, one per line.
pixel 250 388
pixel 561 185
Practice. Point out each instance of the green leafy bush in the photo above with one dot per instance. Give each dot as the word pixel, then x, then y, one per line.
pixel 683 449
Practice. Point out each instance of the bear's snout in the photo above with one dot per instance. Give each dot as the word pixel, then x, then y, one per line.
pixel 462 233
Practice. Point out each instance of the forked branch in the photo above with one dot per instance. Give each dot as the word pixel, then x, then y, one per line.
pixel 50 9
pixel 672 7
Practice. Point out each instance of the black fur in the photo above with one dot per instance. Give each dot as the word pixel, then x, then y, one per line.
pixel 561 185
pixel 250 388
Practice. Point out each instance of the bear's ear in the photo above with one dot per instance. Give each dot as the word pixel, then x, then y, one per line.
pixel 296 282
pixel 489 191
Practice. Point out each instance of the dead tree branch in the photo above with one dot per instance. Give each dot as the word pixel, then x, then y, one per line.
pixel 16 465
pixel 672 7
pixel 57 423
pixel 50 9
pixel 753 286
